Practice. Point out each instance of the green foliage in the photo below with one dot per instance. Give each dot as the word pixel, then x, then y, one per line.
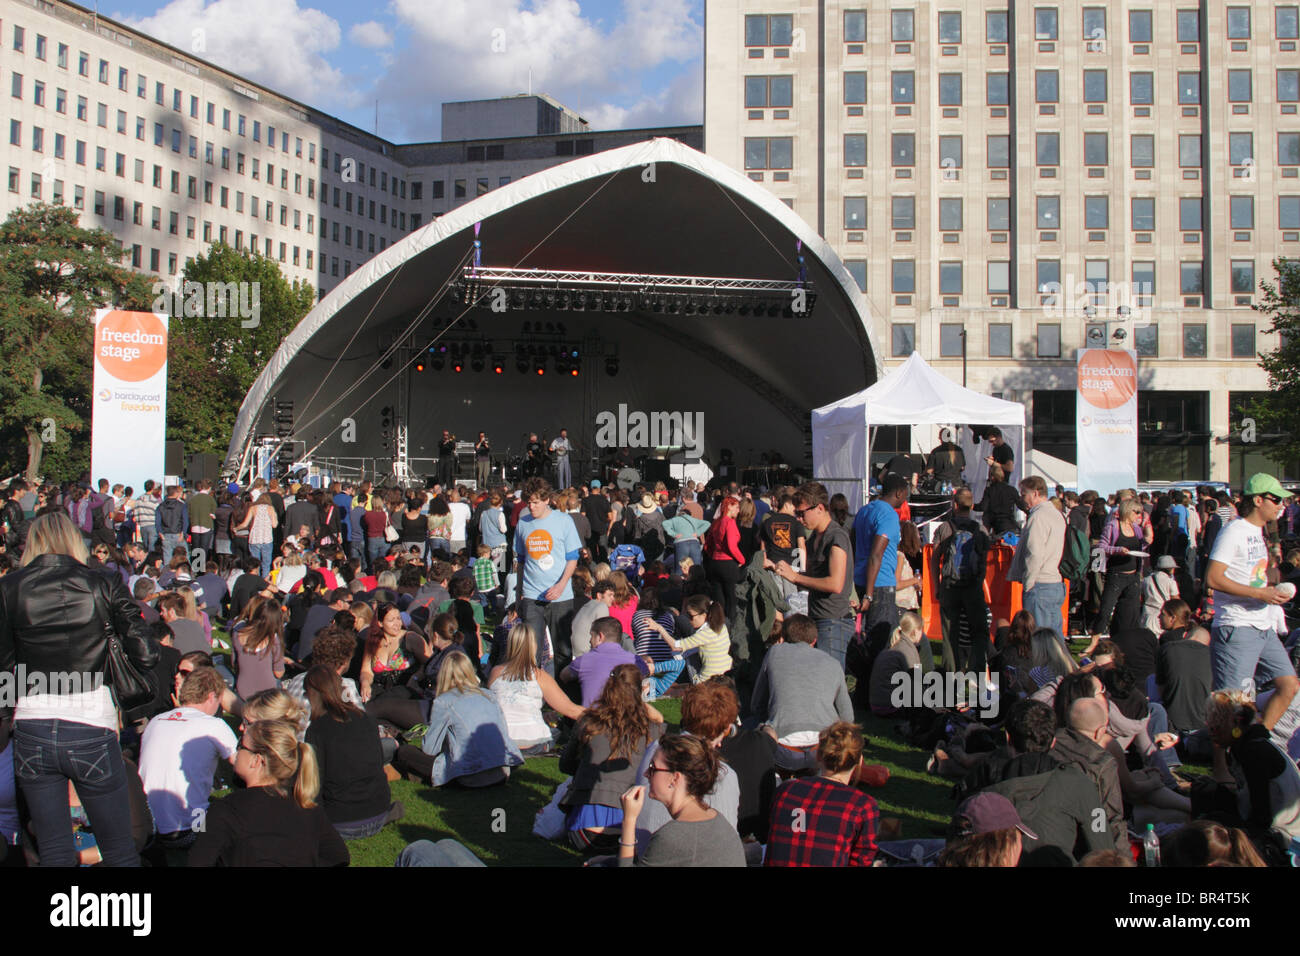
pixel 53 276
pixel 213 360
pixel 1276 411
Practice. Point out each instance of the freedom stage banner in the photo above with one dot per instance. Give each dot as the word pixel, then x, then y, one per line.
pixel 1106 419
pixel 128 424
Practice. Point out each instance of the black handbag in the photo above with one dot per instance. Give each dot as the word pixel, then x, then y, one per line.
pixel 130 688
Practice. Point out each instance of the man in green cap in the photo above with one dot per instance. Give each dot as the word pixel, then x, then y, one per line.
pixel 1243 645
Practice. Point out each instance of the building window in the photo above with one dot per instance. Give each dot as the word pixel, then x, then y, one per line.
pixel 1241 147
pixel 855 212
pixel 1239 86
pixel 775 30
pixel 1048 149
pixel 760 92
pixel 1243 276
pixel 855 149
pixel 764 153
pixel 1189 88
pixel 1287 23
pixel 855 87
pixel 1189 151
pixel 903 149
pixel 996 26
pixel 1288 148
pixel 950 215
pixel 1049 212
pixel 1189 26
pixel 855 26
pixel 1144 282
pixel 997 89
pixel 950 278
pixel 1096 212
pixel 951 339
pixel 902 26
pixel 902 86
pixel 1144 214
pixel 1288 86
pixel 1190 279
pixel 1143 149
pixel 1049 340
pixel 1243 340
pixel 1238 23
pixel 1096 149
pixel 1094 25
pixel 903 278
pixel 1048 275
pixel 1288 212
pixel 949 27
pixel 857 268
pixel 902 339
pixel 903 212
pixel 950 152
pixel 1146 340
pixel 1045 23
pixel 1047 86
pixel 1141 89
pixel 999 339
pixel 1096 276
pixel 950 89
pixel 1195 340
pixel 999 152
pixel 1139 26
pixel 1189 214
pixel 999 278
pixel 1094 86
pixel 998 213
pixel 1241 212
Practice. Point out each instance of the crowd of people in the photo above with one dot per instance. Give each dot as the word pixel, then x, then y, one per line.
pixel 305 647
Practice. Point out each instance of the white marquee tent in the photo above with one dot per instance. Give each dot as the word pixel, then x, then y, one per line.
pixel 912 394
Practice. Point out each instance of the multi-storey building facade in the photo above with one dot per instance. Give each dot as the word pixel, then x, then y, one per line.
pixel 1011 181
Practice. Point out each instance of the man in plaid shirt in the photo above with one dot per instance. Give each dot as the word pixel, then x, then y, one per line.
pixel 485 572
pixel 825 820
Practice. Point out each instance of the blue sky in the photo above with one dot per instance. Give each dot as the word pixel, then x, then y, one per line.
pixel 620 63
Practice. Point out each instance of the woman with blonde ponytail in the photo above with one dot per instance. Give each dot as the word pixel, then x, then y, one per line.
pixel 274 821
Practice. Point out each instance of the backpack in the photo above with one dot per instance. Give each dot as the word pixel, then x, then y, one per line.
pixel 1076 556
pixel 965 551
pixel 626 558
pixel 101 514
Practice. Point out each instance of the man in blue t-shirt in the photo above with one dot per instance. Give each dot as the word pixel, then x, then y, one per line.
pixel 875 545
pixel 546 552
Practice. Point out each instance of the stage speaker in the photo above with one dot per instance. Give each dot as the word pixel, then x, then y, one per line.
pixel 173 457
pixel 203 466
pixel 655 469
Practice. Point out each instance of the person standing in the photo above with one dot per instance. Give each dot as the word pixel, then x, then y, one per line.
pixel 1002 455
pixel 947 460
pixel 146 509
pixel 827 580
pixel 482 461
pixel 876 530
pixel 172 518
pixel 202 522
pixel 601 518
pixel 1036 564
pixel 1243 644
pixel 561 447
pixel 546 553
pixel 447 459
pixel 960 556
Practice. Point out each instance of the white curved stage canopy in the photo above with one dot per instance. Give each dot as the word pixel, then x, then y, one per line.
pixel 650 211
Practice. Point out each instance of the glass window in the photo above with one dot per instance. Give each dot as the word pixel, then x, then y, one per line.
pixel 904 276
pixel 1189 214
pixel 855 149
pixel 1139 26
pixel 1141 89
pixel 998 213
pixel 1241 147
pixel 855 212
pixel 1194 340
pixel 1189 278
pixel 1049 212
pixel 1189 88
pixel 1094 23
pixel 950 214
pixel 1096 212
pixel 1189 26
pixel 1144 282
pixel 1238 23
pixel 949 27
pixel 1096 149
pixel 951 338
pixel 1239 86
pixel 782 29
pixel 755 31
pixel 903 210
pixel 1144 214
pixel 903 86
pixel 1189 150
pixel 1243 276
pixel 858 269
pixel 1288 212
pixel 1048 149
pixel 1288 148
pixel 1096 274
pixel 902 26
pixel 1094 86
pixel 1048 275
pixel 755 92
pixel 1146 341
pixel 1045 23
pixel 1000 339
pixel 950 278
pixel 997 89
pixel 1288 86
pixel 855 27
pixel 1287 21
pixel 1243 340
pixel 855 87
pixel 1049 340
pixel 1241 212
pixel 1143 147
pixel 996 26
pixel 1046 86
pixel 999 275
pixel 903 149
pixel 950 152
pixel 780 95
pixel 903 339
pixel 999 152
pixel 950 89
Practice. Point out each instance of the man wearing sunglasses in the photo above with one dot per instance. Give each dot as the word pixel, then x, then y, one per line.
pixel 1243 643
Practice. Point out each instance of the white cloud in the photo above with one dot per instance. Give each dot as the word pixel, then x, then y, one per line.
pixel 681 103
pixel 372 35
pixel 274 42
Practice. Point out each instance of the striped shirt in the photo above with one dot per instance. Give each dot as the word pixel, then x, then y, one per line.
pixel 715 651
pixel 647 641
pixel 819 822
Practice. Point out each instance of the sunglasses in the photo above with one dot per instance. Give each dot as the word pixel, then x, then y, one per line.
pixel 652 770
pixel 800 512
pixel 1273 498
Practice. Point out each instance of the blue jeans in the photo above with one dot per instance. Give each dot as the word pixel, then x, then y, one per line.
pixel 170 542
pixel 149 537
pixel 264 554
pixel 1239 655
pixel 833 637
pixel 1043 601
pixel 376 548
pixel 442 853
pixel 666 674
pixel 688 549
pixel 360 829
pixel 49 753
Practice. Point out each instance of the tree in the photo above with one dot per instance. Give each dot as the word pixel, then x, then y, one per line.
pixel 54 275
pixel 215 355
pixel 1276 412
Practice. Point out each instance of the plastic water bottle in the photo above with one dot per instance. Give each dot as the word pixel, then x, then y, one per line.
pixel 1151 846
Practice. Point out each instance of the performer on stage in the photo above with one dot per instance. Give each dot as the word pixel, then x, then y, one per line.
pixel 534 457
pixel 447 459
pixel 561 448
pixel 482 461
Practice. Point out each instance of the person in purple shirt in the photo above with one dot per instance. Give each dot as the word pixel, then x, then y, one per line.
pixel 593 668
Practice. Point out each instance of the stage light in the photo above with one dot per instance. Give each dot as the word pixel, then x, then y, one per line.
pixel 611 366
pixel 573 371
pixel 419 366
pixel 458 366
pixel 539 366
pixel 498 366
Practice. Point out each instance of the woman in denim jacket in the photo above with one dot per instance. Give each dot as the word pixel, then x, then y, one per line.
pixel 467 740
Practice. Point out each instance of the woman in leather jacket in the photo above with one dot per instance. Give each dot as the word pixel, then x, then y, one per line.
pixel 56 616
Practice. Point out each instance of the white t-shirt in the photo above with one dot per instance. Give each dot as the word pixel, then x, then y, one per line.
pixel 459 519
pixel 1241 547
pixel 178 758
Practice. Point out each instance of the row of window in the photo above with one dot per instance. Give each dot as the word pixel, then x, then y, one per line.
pixel 777 30
pixel 1047 340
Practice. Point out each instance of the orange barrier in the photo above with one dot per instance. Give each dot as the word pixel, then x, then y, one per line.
pixel 1004 597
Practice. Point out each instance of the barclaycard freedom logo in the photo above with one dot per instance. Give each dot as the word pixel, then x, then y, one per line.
pixel 105 394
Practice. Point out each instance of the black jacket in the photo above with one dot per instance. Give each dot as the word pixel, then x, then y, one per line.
pixel 1058 802
pixel 55 615
pixel 170 517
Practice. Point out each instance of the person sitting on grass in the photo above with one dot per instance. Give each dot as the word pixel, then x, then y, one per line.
pixel 649 624
pixel 825 820
pixel 709 638
pixel 592 669
pixel 902 656
pixel 1266 798
pixel 986 831
pixel 521 688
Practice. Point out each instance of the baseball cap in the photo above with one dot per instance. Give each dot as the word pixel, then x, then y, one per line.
pixel 1165 561
pixel 595 482
pixel 1262 484
pixel 987 812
